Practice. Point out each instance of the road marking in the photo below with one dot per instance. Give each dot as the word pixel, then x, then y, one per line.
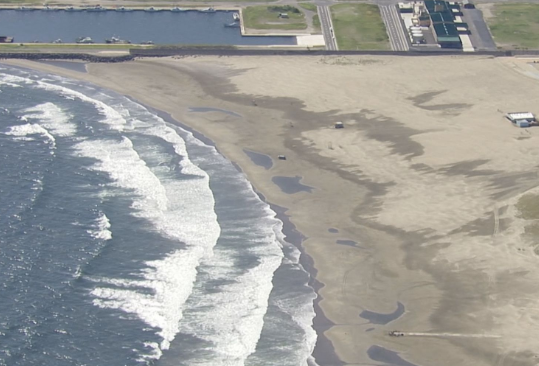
pixel 392 20
pixel 327 28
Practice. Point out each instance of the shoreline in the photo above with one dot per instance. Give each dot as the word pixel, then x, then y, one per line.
pixel 323 353
pixel 424 177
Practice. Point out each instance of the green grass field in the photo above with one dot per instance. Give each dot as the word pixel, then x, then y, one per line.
pixel 308 6
pixel 359 27
pixel 515 25
pixel 267 17
pixel 316 19
pixel 316 23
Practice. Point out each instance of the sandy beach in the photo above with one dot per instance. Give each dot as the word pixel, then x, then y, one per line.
pixel 410 218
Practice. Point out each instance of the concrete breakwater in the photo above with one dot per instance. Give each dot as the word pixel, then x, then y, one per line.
pixel 225 51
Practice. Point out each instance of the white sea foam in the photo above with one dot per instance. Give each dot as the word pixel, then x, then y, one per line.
pixel 232 317
pixel 154 353
pixel 51 117
pixel 112 117
pixel 31 129
pixel 178 209
pixel 101 228
pixel 13 80
pixel 183 210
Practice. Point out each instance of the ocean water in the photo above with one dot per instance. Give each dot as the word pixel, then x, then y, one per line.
pixel 125 240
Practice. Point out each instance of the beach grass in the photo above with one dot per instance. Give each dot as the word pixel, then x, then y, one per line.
pixel 359 27
pixel 267 17
pixel 515 25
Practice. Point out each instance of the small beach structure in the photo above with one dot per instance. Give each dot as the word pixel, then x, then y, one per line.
pixel 339 125
pixel 521 119
pixel 6 39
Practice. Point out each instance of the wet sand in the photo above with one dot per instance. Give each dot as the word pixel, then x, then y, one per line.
pixel 424 177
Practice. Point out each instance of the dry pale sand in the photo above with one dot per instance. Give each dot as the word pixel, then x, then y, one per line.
pixel 424 177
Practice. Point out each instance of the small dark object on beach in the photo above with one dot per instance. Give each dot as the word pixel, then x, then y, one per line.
pixel 282 157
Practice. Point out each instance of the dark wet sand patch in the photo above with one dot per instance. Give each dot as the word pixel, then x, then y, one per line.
pixel 208 109
pixel 421 99
pixel 347 242
pixel 259 159
pixel 333 230
pixel 425 97
pixel 70 65
pixel 468 168
pixel 381 354
pixel 478 227
pixel 380 318
pixel 291 185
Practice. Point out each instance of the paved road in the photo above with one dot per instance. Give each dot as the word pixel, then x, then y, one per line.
pixel 395 29
pixel 327 28
pixel 480 34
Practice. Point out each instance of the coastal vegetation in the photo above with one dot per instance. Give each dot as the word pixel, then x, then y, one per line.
pixel 359 27
pixel 309 6
pixel 316 19
pixel 515 25
pixel 268 17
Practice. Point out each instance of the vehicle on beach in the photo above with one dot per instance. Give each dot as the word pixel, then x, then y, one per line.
pixel 84 40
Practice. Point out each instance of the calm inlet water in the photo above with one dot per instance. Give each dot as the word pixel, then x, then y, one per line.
pixel 163 27
pixel 124 240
